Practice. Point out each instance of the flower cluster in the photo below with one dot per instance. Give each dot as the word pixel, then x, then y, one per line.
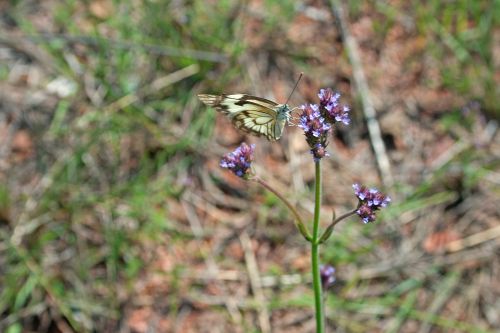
pixel 370 200
pixel 317 120
pixel 327 274
pixel 334 112
pixel 315 129
pixel 239 161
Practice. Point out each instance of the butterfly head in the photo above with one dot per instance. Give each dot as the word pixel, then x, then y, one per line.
pixel 283 112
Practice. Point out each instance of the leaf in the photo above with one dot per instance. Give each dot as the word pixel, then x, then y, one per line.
pixel 25 291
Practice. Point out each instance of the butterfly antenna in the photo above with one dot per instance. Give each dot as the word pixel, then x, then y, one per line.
pixel 295 87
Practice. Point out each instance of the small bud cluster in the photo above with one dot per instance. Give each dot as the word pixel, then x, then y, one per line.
pixel 327 274
pixel 239 161
pixel 317 121
pixel 370 201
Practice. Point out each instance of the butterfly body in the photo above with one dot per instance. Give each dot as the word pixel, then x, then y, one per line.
pixel 251 114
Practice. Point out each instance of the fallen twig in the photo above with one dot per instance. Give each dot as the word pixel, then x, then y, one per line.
pixel 369 112
pixel 255 282
pixel 473 240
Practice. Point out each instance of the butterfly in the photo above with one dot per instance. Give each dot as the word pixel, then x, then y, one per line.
pixel 251 114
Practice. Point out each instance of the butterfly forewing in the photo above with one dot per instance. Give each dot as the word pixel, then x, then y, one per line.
pixel 251 114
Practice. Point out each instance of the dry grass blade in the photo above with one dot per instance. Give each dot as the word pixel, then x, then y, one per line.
pixel 351 45
pixel 155 86
pixel 24 225
pixel 152 48
pixel 473 240
pixel 255 282
pixel 21 44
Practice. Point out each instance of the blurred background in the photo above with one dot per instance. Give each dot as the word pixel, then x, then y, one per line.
pixel 116 217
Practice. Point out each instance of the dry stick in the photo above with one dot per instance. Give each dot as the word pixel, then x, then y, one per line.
pixel 268 281
pixel 16 316
pixel 24 225
pixel 474 240
pixel 210 300
pixel 351 46
pixel 255 282
pixel 155 86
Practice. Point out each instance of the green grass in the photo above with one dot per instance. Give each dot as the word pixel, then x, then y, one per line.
pixel 98 209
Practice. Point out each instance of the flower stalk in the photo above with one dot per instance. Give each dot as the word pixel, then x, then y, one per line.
pixel 298 219
pixel 329 229
pixel 315 265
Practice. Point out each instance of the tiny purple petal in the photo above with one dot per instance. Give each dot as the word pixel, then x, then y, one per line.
pixel 385 202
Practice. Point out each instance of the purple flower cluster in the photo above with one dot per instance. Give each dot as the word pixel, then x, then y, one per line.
pixel 334 111
pixel 239 161
pixel 327 274
pixel 370 201
pixel 315 129
pixel 317 120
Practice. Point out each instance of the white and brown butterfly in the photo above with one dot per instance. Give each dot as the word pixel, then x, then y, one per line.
pixel 251 114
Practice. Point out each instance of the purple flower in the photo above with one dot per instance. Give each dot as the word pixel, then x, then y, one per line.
pixel 317 121
pixel 333 111
pixel 239 161
pixel 315 129
pixel 370 200
pixel 327 274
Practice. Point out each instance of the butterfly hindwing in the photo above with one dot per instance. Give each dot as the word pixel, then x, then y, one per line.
pixel 251 114
pixel 256 122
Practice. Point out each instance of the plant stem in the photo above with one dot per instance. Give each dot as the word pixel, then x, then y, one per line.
pixel 299 222
pixel 318 297
pixel 329 229
pixel 346 215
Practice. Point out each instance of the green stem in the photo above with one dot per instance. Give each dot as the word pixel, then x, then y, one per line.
pixel 299 223
pixel 318 297
pixel 329 229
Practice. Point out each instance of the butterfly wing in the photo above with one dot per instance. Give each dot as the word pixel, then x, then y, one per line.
pixel 251 114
